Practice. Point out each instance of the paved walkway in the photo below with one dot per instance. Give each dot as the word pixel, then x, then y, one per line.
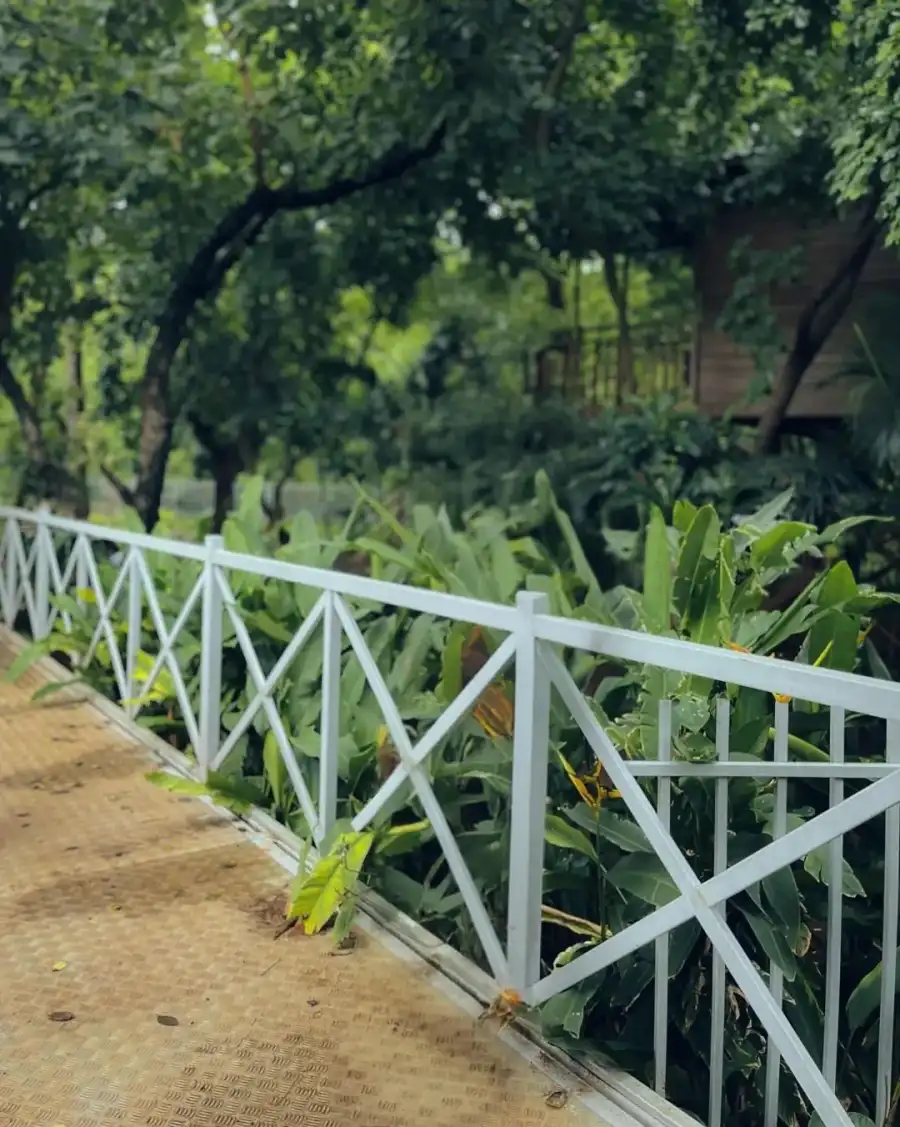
pixel 140 984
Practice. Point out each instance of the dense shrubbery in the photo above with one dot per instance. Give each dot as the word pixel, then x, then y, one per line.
pixel 701 580
pixel 475 448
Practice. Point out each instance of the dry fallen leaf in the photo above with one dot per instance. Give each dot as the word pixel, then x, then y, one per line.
pixel 60 966
pixel 61 1015
pixel 557 1099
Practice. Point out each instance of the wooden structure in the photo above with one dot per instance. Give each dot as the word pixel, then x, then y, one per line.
pixel 588 365
pixel 722 371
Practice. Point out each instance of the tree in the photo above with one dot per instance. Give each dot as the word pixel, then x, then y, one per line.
pixel 59 135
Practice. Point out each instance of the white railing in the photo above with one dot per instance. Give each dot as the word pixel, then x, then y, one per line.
pixel 32 575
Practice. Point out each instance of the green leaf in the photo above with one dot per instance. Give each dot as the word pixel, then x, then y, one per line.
pixel 505 570
pixel 773 941
pixel 835 531
pixel 404 838
pixel 621 832
pixel 698 549
pixel 276 772
pixel 53 687
pixel 410 662
pixel 318 895
pixel 657 575
pixel 451 662
pixel 856 1118
pixel 772 549
pixel 866 996
pixel 267 625
pixel 343 920
pixel 683 515
pixel 780 889
pixel 25 659
pixel 236 795
pixel 67 604
pixel 583 569
pixel 767 516
pixel 644 876
pixel 565 1012
pixel 562 834
pixel 838 586
pixel 877 664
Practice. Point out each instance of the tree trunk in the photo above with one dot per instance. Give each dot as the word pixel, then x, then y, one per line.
pixel 228 461
pixel 225 475
pixel 75 427
pixel 617 284
pixel 817 322
pixel 157 430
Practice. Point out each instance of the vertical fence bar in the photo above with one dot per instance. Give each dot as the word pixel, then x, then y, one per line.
pixel 720 864
pixel 210 659
pixel 776 975
pixel 133 637
pixel 528 800
pixel 835 922
pixel 661 971
pixel 331 716
pixel 82 581
pixel 43 546
pixel 885 1065
pixel 10 578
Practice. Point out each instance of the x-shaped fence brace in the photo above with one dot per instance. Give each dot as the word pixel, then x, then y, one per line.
pixel 17 583
pixel 702 901
pixel 411 759
pixel 263 699
pixel 134 570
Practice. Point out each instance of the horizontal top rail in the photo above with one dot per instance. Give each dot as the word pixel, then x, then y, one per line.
pixel 851 691
pixel 181 548
pixel 461 608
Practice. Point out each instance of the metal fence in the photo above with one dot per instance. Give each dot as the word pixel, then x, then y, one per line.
pixel 43 557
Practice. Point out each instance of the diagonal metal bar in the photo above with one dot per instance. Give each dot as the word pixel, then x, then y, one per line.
pixel 458 867
pixel 278 670
pixel 259 680
pixel 61 580
pixel 105 607
pixel 702 899
pixel 439 730
pixel 166 640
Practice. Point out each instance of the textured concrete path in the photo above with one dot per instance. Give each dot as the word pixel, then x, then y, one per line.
pixel 140 984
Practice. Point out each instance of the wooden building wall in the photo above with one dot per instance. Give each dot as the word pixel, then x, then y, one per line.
pixel 722 370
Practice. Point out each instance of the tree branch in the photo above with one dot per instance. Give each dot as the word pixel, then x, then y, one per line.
pixel 391 167
pixel 564 51
pixel 124 491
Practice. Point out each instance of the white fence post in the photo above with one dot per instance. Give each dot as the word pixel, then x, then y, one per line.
pixel 528 801
pixel 133 637
pixel 210 659
pixel 43 545
pixel 10 574
pixel 331 705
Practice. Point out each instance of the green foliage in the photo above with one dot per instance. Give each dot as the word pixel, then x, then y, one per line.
pixel 702 579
